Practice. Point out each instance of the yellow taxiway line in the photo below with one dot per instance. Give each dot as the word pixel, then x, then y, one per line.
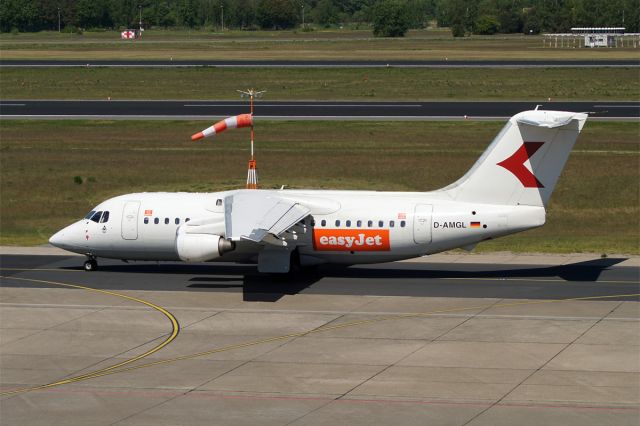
pixel 175 329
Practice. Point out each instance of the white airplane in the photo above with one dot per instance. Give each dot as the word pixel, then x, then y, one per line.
pixel 506 191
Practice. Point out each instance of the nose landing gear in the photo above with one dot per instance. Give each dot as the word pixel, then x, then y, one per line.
pixel 91 264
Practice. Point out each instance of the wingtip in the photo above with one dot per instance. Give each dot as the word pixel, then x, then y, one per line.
pixel 197 136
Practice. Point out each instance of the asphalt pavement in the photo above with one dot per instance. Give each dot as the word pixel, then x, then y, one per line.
pixel 188 109
pixel 595 277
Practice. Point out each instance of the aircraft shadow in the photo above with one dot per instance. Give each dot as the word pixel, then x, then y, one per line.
pixel 386 279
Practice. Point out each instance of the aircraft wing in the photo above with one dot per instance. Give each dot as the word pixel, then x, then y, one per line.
pixel 253 215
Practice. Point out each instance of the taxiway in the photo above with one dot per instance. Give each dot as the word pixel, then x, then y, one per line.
pixel 304 110
pixel 447 341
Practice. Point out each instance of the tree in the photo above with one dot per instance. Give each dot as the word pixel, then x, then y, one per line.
pixel 93 14
pixel 456 16
pixel 277 14
pixel 243 14
pixel 487 25
pixel 457 30
pixel 390 18
pixel 187 13
pixel 421 11
pixel 531 23
pixel 325 13
pixel 20 15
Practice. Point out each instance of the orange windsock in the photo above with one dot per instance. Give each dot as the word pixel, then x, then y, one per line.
pixel 235 122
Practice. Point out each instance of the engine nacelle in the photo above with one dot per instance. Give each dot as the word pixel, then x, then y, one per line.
pixel 201 247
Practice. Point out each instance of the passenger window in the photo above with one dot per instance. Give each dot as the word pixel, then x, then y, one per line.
pixel 323 223
pixel 146 220
pixel 187 220
pixel 380 223
pixel 359 223
pixel 370 224
pixel 348 224
pixel 166 220
pixel 218 202
pixel 177 221
pixel 391 224
pixel 105 217
pixel 90 214
pixel 337 223
pixel 403 224
pixel 156 221
pixel 96 217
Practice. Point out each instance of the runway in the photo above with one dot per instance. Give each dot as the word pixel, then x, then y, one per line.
pixel 410 343
pixel 48 63
pixel 305 110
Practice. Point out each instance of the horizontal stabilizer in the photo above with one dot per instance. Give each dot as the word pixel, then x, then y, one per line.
pixel 547 119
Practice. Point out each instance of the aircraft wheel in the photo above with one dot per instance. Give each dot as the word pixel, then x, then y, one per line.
pixel 90 265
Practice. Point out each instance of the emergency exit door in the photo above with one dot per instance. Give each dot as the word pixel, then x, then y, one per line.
pixel 422 223
pixel 130 220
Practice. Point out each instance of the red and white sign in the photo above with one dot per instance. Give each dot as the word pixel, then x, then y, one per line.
pixel 148 212
pixel 128 35
pixel 351 240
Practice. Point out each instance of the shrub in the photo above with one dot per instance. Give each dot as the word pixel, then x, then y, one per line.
pixel 487 25
pixel 390 18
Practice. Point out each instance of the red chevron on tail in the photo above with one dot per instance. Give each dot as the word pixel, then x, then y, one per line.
pixel 515 164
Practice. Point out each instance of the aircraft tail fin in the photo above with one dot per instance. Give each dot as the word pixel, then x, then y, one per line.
pixel 523 163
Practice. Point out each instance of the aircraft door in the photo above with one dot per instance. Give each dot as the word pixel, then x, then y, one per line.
pixel 422 223
pixel 130 220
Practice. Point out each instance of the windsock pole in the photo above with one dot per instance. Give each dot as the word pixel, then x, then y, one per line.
pixel 252 173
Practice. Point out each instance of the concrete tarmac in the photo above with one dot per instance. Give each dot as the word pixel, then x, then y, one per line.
pixel 457 340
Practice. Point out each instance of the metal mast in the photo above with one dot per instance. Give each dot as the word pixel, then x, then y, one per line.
pixel 252 172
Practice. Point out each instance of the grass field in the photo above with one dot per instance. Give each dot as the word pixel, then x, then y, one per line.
pixel 595 207
pixel 285 45
pixel 322 84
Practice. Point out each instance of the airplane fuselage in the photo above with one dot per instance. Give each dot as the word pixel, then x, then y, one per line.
pixel 347 227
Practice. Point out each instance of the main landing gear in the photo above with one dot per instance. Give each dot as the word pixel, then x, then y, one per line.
pixel 91 264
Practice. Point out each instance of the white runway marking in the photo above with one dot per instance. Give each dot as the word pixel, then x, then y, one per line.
pixel 309 105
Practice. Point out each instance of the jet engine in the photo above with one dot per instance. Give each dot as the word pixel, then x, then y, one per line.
pixel 201 247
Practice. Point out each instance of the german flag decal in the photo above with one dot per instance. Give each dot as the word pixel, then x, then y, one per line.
pixel 475 224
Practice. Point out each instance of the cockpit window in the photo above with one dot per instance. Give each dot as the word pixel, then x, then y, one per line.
pixel 88 216
pixel 105 217
pixel 96 217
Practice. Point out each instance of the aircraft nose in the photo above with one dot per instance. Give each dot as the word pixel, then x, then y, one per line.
pixel 59 239
pixel 68 238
